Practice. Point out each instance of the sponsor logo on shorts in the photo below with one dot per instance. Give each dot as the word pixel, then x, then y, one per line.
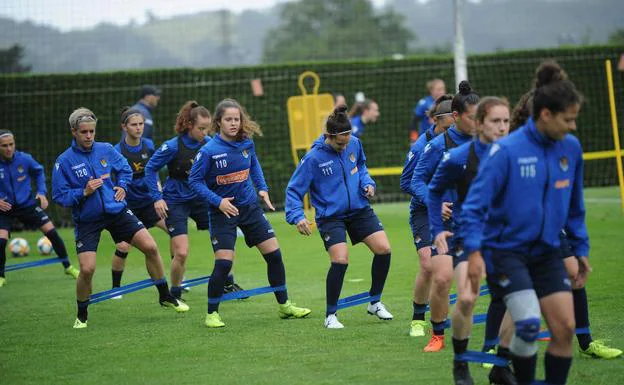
pixel 215 240
pixel 129 212
pixel 38 209
pixel 567 282
pixel 326 237
pixel 235 177
pixel 270 231
pixel 459 252
pixel 79 244
pixel 171 229
pixel 504 281
pixel 418 240
pixel 44 218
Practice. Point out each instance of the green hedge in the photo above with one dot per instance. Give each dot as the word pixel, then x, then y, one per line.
pixel 36 107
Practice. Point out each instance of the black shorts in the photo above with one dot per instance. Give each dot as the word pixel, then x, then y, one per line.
pixel 252 222
pixel 30 216
pixel 121 227
pixel 179 213
pixel 359 225
pixel 511 272
pixel 419 222
pixel 147 215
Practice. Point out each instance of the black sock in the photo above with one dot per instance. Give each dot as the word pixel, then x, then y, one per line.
pixel 229 280
pixel 333 286
pixel 460 346
pixel 176 291
pixel 556 369
pixel 3 243
pixel 163 291
pixel 495 314
pixel 503 352
pixel 82 310
pixel 524 368
pixel 58 245
pixel 276 274
pixel 438 328
pixel 117 277
pixel 217 280
pixel 581 315
pixel 379 272
pixel 419 311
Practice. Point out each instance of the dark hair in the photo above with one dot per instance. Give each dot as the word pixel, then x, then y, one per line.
pixel 466 96
pixel 5 133
pixel 553 90
pixel 187 116
pixel 337 121
pixel 487 103
pixel 359 107
pixel 521 112
pixel 249 128
pixel 436 107
pixel 128 112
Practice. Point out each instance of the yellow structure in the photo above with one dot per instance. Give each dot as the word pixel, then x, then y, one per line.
pixel 307 114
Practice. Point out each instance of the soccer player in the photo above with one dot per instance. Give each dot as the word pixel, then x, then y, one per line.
pixel 150 96
pixel 334 172
pixel 587 346
pixel 177 202
pixel 419 222
pixel 17 201
pixel 464 107
pixel 92 178
pixel 529 187
pixel 223 177
pixel 361 114
pixel 137 150
pixel 421 121
pixel 455 172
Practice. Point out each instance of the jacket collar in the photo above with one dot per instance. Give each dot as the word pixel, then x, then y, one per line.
pixel 535 135
pixel 77 148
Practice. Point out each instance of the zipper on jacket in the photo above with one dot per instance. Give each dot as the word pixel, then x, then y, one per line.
pixel 98 191
pixel 12 185
pixel 544 196
pixel 344 176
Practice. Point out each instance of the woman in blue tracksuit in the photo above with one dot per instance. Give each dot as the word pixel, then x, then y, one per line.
pixel 464 107
pixel 17 201
pixel 529 188
pixel 137 150
pixel 177 201
pixel 455 172
pixel 361 114
pixel 223 176
pixel 443 118
pixel 587 345
pixel 92 178
pixel 335 173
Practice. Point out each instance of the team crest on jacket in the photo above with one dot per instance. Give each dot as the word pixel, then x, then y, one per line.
pixel 563 163
pixel 245 154
pixel 352 157
pixel 20 169
pixel 103 163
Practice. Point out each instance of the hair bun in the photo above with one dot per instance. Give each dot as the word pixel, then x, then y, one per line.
pixel 464 87
pixel 341 109
pixel 549 72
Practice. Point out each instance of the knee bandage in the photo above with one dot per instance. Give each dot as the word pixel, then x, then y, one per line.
pixel 525 311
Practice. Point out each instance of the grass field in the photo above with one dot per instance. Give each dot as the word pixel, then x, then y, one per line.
pixel 134 341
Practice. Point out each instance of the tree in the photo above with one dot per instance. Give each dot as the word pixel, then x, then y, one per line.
pixel 334 30
pixel 617 37
pixel 11 60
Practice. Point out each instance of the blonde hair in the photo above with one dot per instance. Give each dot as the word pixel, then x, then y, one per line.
pixel 80 115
